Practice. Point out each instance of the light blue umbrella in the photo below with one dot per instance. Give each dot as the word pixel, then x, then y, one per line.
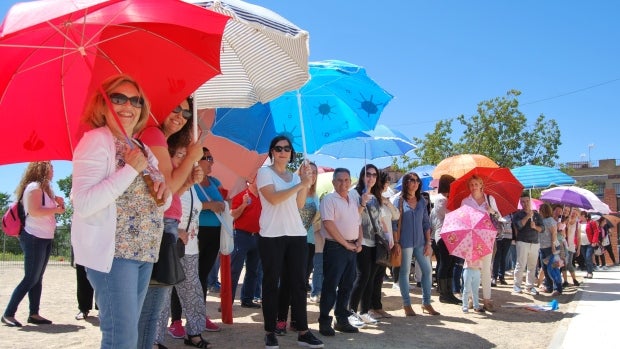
pixel 380 142
pixel 336 103
pixel 533 176
pixel 426 176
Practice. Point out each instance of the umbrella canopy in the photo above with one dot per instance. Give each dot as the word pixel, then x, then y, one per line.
pixel 58 52
pixel 498 182
pixel 534 204
pixel 468 233
pixel 458 165
pixel 533 176
pixel 263 55
pixel 380 142
pixel 337 102
pixel 424 172
pixel 575 197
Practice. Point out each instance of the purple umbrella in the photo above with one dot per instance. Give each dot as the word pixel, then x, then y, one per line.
pixel 575 197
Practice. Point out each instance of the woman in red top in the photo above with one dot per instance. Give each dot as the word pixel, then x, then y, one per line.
pixel 592 232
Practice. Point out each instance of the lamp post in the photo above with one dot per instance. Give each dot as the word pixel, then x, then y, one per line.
pixel 590 146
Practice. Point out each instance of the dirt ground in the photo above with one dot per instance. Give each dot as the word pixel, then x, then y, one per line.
pixel 508 327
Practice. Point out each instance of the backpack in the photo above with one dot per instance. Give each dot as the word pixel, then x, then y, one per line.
pixel 14 218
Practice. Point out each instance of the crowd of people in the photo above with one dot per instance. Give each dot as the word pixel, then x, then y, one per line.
pixel 136 188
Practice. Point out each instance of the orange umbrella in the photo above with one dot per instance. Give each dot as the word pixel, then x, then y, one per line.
pixel 459 165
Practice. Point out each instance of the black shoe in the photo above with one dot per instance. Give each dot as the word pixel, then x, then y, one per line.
pixel 576 283
pixel 309 340
pixel 271 342
pixel 502 282
pixel 250 305
pixel 346 327
pixel 493 283
pixel 41 321
pixel 327 331
pixel 11 323
pixel 565 284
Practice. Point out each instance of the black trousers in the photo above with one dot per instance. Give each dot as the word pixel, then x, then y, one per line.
pixel 208 250
pixel 85 291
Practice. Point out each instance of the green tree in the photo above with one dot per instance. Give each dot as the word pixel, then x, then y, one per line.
pixel 498 130
pixel 65 187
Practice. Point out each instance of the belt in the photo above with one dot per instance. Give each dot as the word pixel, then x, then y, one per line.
pixel 352 241
pixel 334 241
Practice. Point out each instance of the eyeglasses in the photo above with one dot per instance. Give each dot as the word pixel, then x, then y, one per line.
pixel 414 180
pixel 121 99
pixel 371 174
pixel 207 158
pixel 187 114
pixel 279 149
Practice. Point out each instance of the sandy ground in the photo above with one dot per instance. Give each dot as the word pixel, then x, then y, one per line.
pixel 506 328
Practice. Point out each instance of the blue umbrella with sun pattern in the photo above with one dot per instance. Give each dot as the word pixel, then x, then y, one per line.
pixel 338 102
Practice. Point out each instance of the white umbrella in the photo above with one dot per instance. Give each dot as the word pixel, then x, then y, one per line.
pixel 263 55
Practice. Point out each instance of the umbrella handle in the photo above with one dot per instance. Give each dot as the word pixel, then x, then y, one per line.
pixel 301 125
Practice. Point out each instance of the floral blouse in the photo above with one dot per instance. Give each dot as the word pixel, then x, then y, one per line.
pixel 139 226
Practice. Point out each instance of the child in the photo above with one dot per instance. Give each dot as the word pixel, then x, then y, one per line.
pixel 471 284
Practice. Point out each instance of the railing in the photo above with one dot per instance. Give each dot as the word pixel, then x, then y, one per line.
pixel 11 252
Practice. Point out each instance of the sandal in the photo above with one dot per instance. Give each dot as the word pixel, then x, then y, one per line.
pixel 200 344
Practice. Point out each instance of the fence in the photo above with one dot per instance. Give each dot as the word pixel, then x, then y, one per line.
pixel 60 255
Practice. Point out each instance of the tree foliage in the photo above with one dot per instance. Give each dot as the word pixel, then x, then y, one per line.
pixel 65 187
pixel 498 130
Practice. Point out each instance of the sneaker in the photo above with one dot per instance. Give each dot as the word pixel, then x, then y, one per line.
pixel 375 314
pixel 516 289
pixel 250 304
pixel 356 321
pixel 280 328
pixel 346 327
pixel 479 310
pixel 326 330
pixel 576 283
pixel 605 267
pixel 211 327
pixel 271 342
pixel 465 310
pixel 215 288
pixel 315 299
pixel 176 330
pixel 565 284
pixel 493 283
pixel 502 282
pixel 533 291
pixel 309 340
pixel 368 319
pixel 395 286
pixel 81 315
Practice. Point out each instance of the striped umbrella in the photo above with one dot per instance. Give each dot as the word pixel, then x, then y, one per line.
pixel 263 55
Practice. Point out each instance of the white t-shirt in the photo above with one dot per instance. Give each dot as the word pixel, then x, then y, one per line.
pixel 42 226
pixel 282 219
pixel 186 200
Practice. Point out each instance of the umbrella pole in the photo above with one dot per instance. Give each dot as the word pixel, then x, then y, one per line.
pixel 301 125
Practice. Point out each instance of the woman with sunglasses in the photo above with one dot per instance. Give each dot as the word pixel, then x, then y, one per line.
pixel 175 131
pixel 117 225
pixel 414 239
pixel 282 244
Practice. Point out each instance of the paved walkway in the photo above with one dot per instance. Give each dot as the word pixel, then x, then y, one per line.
pixel 594 324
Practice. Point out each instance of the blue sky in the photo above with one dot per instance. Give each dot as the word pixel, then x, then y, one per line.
pixel 440 58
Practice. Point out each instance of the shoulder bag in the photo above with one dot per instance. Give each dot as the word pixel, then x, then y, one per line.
pixel 168 269
pixel 396 259
pixel 383 253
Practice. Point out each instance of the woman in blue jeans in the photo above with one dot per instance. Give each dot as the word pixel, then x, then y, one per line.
pixel 35 239
pixel 117 225
pixel 414 239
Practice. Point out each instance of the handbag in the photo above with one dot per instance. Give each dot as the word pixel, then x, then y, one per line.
pixel 605 241
pixel 383 253
pixel 168 269
pixel 495 219
pixel 396 258
pixel 598 250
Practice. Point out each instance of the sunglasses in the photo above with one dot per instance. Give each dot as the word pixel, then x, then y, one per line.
pixel 414 180
pixel 207 158
pixel 121 99
pixel 371 174
pixel 187 114
pixel 279 149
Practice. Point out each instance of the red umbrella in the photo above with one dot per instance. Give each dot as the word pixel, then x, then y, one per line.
pixel 56 53
pixel 468 233
pixel 498 182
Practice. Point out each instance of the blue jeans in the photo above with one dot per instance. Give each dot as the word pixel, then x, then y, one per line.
pixel 36 255
pixel 405 269
pixel 157 297
pixel 588 257
pixel 553 278
pixel 457 275
pixel 119 295
pixel 499 262
pixel 471 285
pixel 338 281
pixel 317 274
pixel 246 250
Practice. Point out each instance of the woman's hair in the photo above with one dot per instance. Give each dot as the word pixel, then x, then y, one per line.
pixel 312 189
pixel 96 108
pixel 443 186
pixel 405 193
pixel 383 179
pixel 376 189
pixel 183 137
pixel 275 141
pixel 35 172
pixel 475 178
pixel 545 210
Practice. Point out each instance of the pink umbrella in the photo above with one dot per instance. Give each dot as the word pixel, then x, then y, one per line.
pixel 468 233
pixel 534 203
